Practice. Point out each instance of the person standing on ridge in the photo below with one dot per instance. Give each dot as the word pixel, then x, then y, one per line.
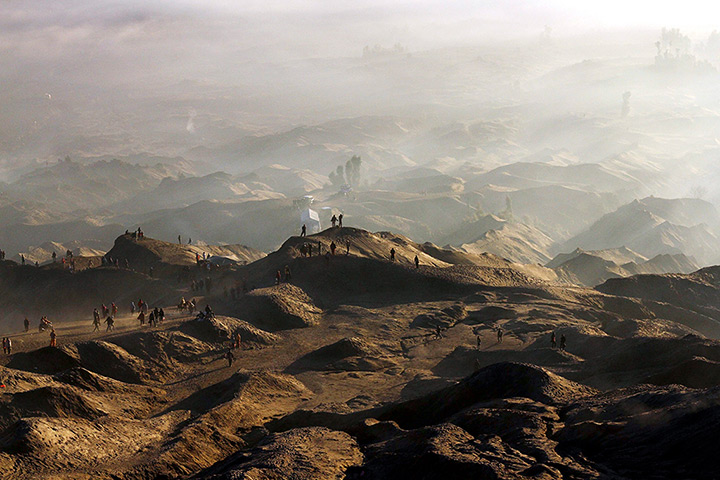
pixel 392 254
pixel 333 220
pixel 340 217
pixel 26 323
pixel 53 338
pixel 417 262
pixel 303 231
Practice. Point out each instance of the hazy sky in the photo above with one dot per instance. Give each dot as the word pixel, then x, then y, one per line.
pixel 320 23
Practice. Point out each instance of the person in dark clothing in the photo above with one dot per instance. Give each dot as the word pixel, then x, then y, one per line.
pixel 340 217
pixel 332 247
pixel 27 324
pixel 417 262
pixel 347 249
pixel 562 342
pixel 303 231
pixel 333 220
pixel 553 340
pixel 479 341
pixel 392 254
pixel 230 357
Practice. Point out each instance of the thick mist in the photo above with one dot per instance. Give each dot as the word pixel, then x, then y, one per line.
pixel 511 128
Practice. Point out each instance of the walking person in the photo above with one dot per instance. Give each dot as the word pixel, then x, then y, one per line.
pixel 53 338
pixel 303 231
pixel 417 262
pixel 230 357
pixel 500 335
pixel 392 254
pixel 340 217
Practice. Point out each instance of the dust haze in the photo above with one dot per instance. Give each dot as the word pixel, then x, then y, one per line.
pixel 388 240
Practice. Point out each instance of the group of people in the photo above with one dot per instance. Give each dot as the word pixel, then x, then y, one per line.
pixel 553 341
pixel 137 234
pixel 279 278
pixel 201 284
pixel 7 345
pixel 205 314
pixel 155 318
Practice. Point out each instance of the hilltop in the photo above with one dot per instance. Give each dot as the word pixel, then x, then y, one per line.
pixel 345 359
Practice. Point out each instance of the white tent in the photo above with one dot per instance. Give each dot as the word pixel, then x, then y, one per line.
pixel 311 220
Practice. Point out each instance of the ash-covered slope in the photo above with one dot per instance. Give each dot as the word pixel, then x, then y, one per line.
pixel 33 292
pixel 148 252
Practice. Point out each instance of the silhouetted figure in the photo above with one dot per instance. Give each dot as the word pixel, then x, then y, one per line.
pixel 479 341
pixel 562 342
pixel 333 220
pixel 26 323
pixel 417 262
pixel 9 346
pixel 54 257
pixel 553 340
pixel 332 247
pixel 340 217
pixel 500 335
pixel 230 357
pixel 392 254
pixel 347 250
pixel 141 317
pixel 110 322
pixel 303 231
pixel 53 338
pixel 179 239
pixel 22 259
